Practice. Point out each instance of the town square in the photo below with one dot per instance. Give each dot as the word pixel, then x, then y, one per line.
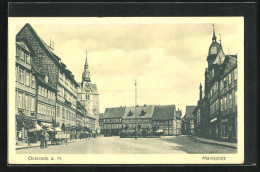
pixel 137 89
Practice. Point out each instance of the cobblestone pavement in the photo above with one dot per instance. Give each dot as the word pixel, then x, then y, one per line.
pixel 116 145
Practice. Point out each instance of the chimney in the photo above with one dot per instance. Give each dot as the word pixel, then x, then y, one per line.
pixel 51 45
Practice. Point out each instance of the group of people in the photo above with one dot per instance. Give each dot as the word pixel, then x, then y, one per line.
pixel 44 137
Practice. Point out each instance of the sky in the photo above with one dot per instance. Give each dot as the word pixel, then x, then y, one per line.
pixel 166 57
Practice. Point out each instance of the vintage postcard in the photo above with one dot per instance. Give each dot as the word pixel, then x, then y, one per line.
pixel 126 90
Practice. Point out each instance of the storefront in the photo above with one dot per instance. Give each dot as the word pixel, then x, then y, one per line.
pixel 214 128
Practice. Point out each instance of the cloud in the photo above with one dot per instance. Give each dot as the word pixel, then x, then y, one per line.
pixel 168 60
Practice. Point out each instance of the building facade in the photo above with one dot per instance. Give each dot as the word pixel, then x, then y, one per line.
pixel 166 119
pixel 188 121
pixel 139 118
pixel 61 78
pixel 25 86
pixel 218 109
pixel 112 121
pixel 88 95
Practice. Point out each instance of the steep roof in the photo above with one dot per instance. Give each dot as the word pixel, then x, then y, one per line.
pixel 47 50
pixel 163 112
pixel 114 112
pixel 93 87
pixel 189 111
pixel 101 115
pixel 145 111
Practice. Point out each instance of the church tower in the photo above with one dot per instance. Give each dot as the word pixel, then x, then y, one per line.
pixel 86 73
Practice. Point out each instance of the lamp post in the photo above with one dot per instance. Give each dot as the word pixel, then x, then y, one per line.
pixel 135 108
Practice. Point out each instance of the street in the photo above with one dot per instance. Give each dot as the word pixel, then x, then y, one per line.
pixel 116 145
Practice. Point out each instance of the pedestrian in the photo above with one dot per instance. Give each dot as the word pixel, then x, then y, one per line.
pixel 46 136
pixel 42 139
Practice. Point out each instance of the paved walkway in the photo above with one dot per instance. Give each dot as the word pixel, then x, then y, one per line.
pixel 116 145
pixel 33 145
pixel 215 142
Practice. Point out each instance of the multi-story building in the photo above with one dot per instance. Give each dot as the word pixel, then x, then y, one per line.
pixel 62 79
pixel 166 118
pixel 81 115
pixel 139 118
pixel 112 121
pixel 188 121
pixel 101 122
pixel 218 109
pixel 88 95
pixel 46 99
pixel 25 88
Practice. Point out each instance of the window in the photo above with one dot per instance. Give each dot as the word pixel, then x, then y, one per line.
pixel 235 74
pixel 221 106
pixel 27 79
pixel 28 58
pixel 235 98
pixel 83 97
pixel 67 114
pixel 40 90
pixel 43 91
pixel 225 82
pixel 225 103
pixel 32 104
pixel 20 100
pixel 63 112
pixel 229 78
pixel 22 55
pixel 58 111
pixel 230 100
pixel 212 72
pixel 33 82
pixel 26 102
pixel 16 75
pixel 21 78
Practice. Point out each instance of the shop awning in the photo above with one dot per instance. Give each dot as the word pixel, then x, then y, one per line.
pixel 159 131
pixel 37 128
pixel 48 126
pixel 58 129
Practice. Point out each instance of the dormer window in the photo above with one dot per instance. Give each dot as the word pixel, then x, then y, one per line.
pixel 46 78
pixel 130 113
pixel 142 113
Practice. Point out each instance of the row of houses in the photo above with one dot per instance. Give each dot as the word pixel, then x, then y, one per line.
pixel 146 119
pixel 215 115
pixel 46 90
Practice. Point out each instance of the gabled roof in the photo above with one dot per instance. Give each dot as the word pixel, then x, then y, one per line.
pixel 141 112
pixel 117 112
pixel 163 112
pixel 101 115
pixel 23 45
pixel 229 63
pixel 189 112
pixel 47 49
pixel 93 88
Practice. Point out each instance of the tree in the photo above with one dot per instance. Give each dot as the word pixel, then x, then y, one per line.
pixel 23 121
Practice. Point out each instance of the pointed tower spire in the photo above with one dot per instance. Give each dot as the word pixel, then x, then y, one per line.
pixel 214 38
pixel 86 73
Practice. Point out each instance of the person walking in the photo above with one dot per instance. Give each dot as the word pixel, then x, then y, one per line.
pixel 46 136
pixel 42 139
